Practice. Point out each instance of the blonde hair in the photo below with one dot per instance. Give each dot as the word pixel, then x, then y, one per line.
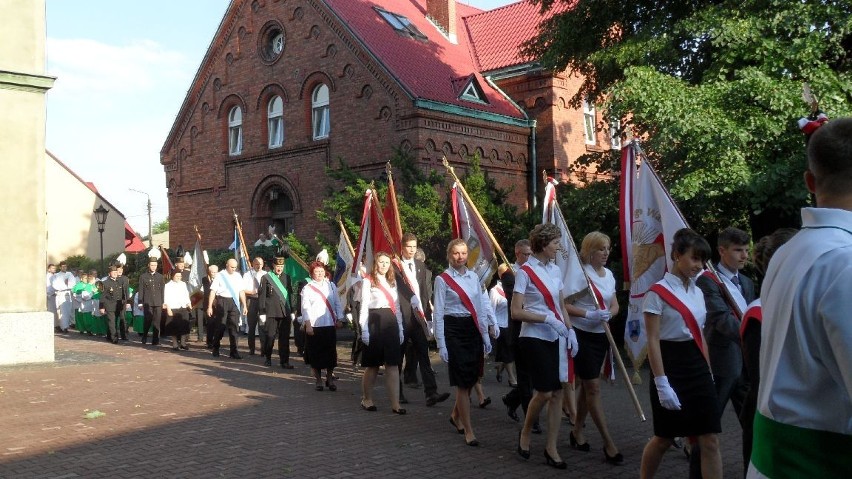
pixel 591 243
pixel 453 244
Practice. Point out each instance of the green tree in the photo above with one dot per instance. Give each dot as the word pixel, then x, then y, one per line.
pixel 714 89
pixel 160 227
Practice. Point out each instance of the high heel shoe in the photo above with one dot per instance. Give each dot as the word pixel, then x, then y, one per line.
pixel 553 463
pixel 459 430
pixel 524 453
pixel 575 445
pixel 399 411
pixel 331 386
pixel 318 387
pixel 615 460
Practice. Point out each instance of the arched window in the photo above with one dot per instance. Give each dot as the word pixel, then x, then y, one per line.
pixel 235 131
pixel 275 122
pixel 320 112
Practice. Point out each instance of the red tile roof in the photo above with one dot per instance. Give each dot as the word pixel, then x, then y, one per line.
pixel 497 35
pixel 433 70
pixel 132 242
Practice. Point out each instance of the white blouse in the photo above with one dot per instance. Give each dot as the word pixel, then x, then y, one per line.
pixel 534 301
pixel 606 286
pixel 448 303
pixel 372 297
pixel 175 295
pixel 500 305
pixel 314 308
pixel 672 325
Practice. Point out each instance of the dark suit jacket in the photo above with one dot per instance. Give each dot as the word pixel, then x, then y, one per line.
pixel 424 283
pixel 722 328
pixel 124 281
pixel 268 301
pixel 111 297
pixel 151 287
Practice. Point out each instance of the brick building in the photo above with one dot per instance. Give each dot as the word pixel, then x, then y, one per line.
pixel 288 87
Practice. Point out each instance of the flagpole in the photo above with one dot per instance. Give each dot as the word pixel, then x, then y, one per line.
pixel 392 188
pixel 709 264
pixel 385 230
pixel 242 240
pixel 476 211
pixel 608 332
pixel 346 236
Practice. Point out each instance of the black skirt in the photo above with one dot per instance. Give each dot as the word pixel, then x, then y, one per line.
pixel 465 350
pixel 176 325
pixel 504 352
pixel 690 378
pixel 541 360
pixel 321 348
pixel 590 358
pixel 384 345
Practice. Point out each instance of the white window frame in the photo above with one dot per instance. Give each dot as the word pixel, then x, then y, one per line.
pixel 589 123
pixel 320 112
pixel 235 131
pixel 275 122
pixel 614 135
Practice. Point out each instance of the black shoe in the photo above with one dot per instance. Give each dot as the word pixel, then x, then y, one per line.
pixel 536 429
pixel 235 356
pixel 580 447
pixel 251 352
pixel 115 341
pixel 155 342
pixel 615 460
pixel 268 362
pixel 144 339
pixel 399 411
pixel 472 442
pixel 485 402
pixel 215 353
pixel 369 408
pixel 459 430
pixel 318 387
pixel 184 347
pixel 524 453
pixel 511 411
pixel 553 463
pixel 436 398
pixel 403 400
pixel 331 386
pixel 287 366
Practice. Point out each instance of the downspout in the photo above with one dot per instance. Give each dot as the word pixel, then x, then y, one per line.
pixel 533 190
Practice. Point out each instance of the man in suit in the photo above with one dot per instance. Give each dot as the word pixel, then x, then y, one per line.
pixel 151 287
pixel 209 325
pixel 416 279
pixel 726 298
pixel 125 298
pixel 274 306
pixel 111 304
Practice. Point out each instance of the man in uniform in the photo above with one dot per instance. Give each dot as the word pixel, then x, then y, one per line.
pixel 226 292
pixel 124 281
pixel 417 280
pixel 252 280
pixel 151 287
pixel 803 426
pixel 111 304
pixel 274 306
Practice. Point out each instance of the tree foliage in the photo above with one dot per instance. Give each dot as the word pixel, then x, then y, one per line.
pixel 713 87
pixel 160 227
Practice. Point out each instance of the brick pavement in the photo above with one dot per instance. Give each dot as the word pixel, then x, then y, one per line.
pixel 187 414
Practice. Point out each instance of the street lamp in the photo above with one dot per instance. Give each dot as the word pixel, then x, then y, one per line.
pixel 100 217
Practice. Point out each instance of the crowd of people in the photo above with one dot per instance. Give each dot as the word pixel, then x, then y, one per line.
pixel 711 341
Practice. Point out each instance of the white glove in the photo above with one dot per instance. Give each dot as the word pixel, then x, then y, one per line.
pixel 262 318
pixel 365 338
pixel 401 336
pixel 598 315
pixel 557 325
pixel 571 341
pixel 431 326
pixel 444 354
pixel 349 318
pixel 486 342
pixel 668 398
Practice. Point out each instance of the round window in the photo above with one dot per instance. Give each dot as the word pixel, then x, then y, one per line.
pixel 271 42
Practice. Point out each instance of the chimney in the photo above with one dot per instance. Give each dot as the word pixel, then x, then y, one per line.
pixel 443 14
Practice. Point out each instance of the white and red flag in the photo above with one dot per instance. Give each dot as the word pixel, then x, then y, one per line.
pixel 568 260
pixel 649 220
pixel 467 225
pixel 390 213
pixel 197 271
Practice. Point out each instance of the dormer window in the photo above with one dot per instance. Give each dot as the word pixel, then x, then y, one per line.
pixel 473 92
pixel 401 24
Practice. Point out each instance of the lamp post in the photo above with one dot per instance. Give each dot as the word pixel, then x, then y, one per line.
pixel 150 224
pixel 100 217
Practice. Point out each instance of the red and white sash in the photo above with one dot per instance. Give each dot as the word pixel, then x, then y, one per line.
pixel 391 303
pixel 465 299
pixel 753 313
pixel 551 305
pixel 688 317
pixel 325 299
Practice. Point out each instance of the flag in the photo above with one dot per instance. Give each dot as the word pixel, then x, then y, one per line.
pixel 568 260
pixel 196 274
pixel 296 269
pixel 653 220
pixel 167 262
pixel 364 251
pixel 466 225
pixel 391 216
pixel 239 250
pixel 343 262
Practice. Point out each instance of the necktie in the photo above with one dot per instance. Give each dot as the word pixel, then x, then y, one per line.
pixel 736 280
pixel 411 266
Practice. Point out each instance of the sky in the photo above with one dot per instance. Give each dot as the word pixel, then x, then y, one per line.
pixel 123 69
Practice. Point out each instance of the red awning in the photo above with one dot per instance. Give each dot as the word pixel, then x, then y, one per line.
pixel 132 242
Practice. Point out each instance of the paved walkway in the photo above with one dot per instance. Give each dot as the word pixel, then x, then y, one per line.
pixel 187 414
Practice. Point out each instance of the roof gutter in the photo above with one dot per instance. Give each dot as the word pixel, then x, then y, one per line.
pixel 469 112
pixel 533 189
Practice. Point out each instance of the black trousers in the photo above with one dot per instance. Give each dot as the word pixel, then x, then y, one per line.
pixel 276 327
pixel 200 322
pixel 415 335
pixel 111 316
pixel 252 319
pixel 228 318
pixel 521 395
pixel 212 324
pixel 152 315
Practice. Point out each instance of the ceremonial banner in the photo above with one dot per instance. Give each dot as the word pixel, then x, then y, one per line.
pixel 196 273
pixel 568 261
pixel 466 225
pixel 391 216
pixel 295 269
pixel 343 263
pixel 364 249
pixel 653 221
pixel 167 262
pixel 239 251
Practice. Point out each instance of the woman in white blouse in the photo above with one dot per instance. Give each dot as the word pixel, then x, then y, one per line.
pixel 538 302
pixel 588 320
pixel 381 332
pixel 322 314
pixel 683 398
pixel 177 305
pixel 460 317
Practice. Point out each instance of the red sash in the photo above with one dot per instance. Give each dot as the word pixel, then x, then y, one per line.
pixel 545 293
pixel 685 313
pixel 388 297
pixel 598 295
pixel 465 299
pixel 753 313
pixel 500 291
pixel 327 304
